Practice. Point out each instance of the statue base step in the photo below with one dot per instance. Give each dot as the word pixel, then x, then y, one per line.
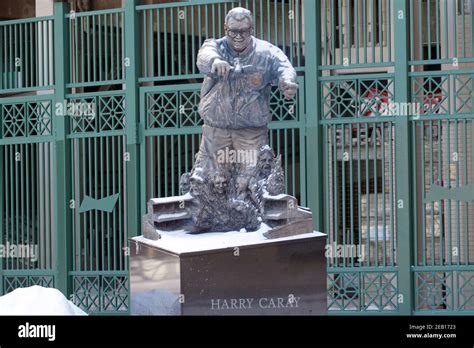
pixel 232 273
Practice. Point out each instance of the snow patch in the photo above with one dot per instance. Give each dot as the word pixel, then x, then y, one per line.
pixel 37 300
pixel 172 199
pixel 278 197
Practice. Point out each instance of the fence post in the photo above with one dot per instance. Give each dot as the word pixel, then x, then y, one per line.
pixel 62 152
pixel 314 177
pixel 132 156
pixel 2 195
pixel 403 162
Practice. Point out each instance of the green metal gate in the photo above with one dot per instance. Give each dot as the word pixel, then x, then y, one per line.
pixel 27 187
pixel 399 181
pixel 27 199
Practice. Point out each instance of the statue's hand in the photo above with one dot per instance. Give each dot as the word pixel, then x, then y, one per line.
pixel 288 88
pixel 220 68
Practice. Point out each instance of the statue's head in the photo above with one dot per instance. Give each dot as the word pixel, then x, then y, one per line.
pixel 266 159
pixel 184 184
pixel 276 180
pixel 219 182
pixel 239 28
pixel 196 182
pixel 241 183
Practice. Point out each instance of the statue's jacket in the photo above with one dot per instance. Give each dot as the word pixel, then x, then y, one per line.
pixel 242 99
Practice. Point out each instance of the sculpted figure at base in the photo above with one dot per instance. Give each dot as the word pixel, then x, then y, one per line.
pixel 237 182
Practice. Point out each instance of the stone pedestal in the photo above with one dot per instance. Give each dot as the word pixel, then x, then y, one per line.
pixel 231 273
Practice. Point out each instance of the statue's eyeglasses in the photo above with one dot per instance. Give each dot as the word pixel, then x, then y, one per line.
pixel 234 33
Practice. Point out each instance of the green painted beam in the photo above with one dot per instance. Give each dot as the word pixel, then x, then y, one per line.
pixel 185 4
pixel 403 151
pixel 314 176
pixel 62 158
pixel 132 157
pixel 2 195
pixel 26 20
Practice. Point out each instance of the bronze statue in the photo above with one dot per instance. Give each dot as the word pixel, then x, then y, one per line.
pixel 236 182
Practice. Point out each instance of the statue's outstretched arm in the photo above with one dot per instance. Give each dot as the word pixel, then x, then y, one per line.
pixel 206 56
pixel 284 73
pixel 282 69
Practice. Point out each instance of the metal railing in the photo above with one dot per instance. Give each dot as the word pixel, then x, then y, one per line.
pixel 96 48
pixel 26 59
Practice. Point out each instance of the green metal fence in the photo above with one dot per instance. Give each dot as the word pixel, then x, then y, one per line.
pixel 26 54
pixel 395 184
pixel 399 183
pixel 96 48
pixel 27 185
pixel 100 268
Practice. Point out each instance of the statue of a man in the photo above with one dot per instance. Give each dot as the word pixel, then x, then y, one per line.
pixel 239 72
pixel 237 183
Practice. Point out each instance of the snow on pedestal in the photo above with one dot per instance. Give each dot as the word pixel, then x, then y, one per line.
pixel 180 242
